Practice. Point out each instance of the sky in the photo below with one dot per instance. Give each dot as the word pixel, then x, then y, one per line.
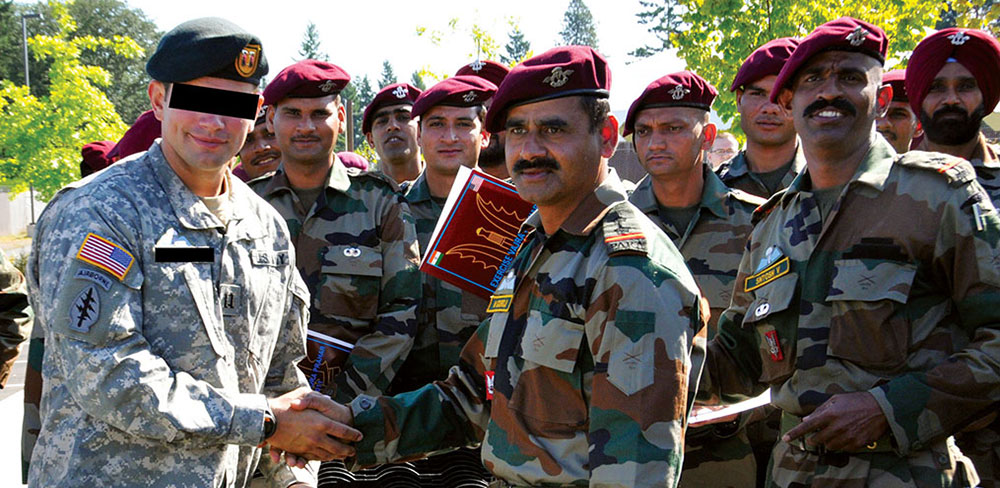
pixel 359 35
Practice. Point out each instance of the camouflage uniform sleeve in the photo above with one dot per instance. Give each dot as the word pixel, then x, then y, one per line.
pixel 641 326
pixel 925 406
pixel 284 376
pixel 733 366
pixel 378 355
pixel 15 316
pixel 109 367
pixel 445 414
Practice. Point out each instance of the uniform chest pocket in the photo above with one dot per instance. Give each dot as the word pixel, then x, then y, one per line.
pixel 868 324
pixel 772 316
pixel 350 282
pixel 550 347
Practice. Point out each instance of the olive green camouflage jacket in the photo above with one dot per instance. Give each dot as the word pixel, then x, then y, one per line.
pixel 735 173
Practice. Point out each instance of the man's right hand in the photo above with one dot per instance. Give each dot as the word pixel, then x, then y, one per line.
pixel 312 426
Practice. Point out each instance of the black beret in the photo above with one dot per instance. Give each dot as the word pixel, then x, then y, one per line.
pixel 208 46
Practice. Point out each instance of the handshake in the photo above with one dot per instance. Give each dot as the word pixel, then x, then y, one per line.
pixel 310 426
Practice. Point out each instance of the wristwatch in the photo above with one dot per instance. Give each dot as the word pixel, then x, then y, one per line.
pixel 270 423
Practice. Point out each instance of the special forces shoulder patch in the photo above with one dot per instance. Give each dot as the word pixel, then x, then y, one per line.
pixel 106 255
pixel 85 309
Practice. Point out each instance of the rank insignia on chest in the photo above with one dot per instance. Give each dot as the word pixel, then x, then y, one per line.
pixel 489 385
pixel 499 303
pixel 768 275
pixel 773 345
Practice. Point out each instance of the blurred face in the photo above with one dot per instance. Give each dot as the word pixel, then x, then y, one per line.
pixel 451 137
pixel 260 154
pixel 394 134
pixel 953 109
pixel 306 129
pixel 669 140
pixel 899 126
pixel 200 141
pixel 723 149
pixel 763 122
pixel 835 99
pixel 553 157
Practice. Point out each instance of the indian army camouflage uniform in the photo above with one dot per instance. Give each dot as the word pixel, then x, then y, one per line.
pixel 712 245
pixel 735 173
pixel 580 375
pixel 156 371
pixel 982 445
pixel 447 317
pixel 356 249
pixel 869 301
pixel 15 316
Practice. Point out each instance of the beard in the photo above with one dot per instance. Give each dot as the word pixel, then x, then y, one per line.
pixel 952 131
pixel 493 154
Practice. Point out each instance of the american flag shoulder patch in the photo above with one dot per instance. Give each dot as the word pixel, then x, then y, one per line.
pixel 106 255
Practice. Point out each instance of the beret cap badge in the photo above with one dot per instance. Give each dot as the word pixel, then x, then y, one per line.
pixel 477 65
pixel 400 92
pixel 857 36
pixel 326 86
pixel 678 92
pixel 958 38
pixel 558 77
pixel 246 62
pixel 469 97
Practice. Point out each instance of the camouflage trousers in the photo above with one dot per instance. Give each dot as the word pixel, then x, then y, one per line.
pixel 717 460
pixel 940 466
pixel 982 446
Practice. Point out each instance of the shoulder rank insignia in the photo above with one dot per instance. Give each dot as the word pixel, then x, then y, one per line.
pixel 957 170
pixel 106 255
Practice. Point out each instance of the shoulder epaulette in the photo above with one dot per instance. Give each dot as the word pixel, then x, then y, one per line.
pixel 623 230
pixel 375 175
pixel 957 170
pixel 747 197
pixel 765 208
pixel 262 179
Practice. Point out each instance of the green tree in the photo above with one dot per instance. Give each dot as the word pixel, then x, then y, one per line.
pixel 717 36
pixel 418 81
pixel 41 137
pixel 484 44
pixel 578 25
pixel 981 14
pixel 518 48
pixel 310 48
pixel 663 19
pixel 388 75
pixel 98 18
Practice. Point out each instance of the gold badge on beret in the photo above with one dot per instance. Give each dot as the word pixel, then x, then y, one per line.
pixel 246 62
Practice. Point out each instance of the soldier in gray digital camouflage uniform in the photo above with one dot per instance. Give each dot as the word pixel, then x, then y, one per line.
pixel 172 310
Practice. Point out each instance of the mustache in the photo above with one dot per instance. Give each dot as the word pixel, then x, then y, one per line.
pixel 950 110
pixel 838 103
pixel 538 163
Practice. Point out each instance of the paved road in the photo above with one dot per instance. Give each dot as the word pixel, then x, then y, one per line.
pixel 12 411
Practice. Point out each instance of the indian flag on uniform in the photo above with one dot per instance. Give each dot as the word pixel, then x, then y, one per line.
pixel 436 258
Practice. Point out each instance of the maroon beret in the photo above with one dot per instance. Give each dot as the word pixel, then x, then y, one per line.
pixel 137 138
pixel 95 155
pixel 765 61
pixel 457 91
pixel 492 71
pixel 843 34
pixel 680 89
pixel 394 94
pixel 897 79
pixel 353 160
pixel 308 78
pixel 559 72
pixel 241 173
pixel 978 51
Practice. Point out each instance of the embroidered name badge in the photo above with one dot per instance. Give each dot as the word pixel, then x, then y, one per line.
pixel 499 303
pixel 769 274
pixel 489 385
pixel 773 345
pixel 106 255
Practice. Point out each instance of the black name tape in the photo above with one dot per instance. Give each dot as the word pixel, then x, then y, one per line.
pixel 214 101
pixel 184 254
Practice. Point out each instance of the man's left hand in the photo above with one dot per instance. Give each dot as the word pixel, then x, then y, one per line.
pixel 845 422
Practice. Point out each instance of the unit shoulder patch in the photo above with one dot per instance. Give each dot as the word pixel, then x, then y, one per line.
pixel 623 230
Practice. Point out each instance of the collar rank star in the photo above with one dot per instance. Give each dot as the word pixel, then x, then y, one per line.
pixel 857 36
pixel 401 92
pixel 558 77
pixel 678 92
pixel 958 38
pixel 327 86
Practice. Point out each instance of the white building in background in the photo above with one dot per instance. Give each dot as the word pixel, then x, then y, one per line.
pixel 15 214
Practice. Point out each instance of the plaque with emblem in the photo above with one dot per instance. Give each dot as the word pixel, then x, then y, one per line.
pixel 478 234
